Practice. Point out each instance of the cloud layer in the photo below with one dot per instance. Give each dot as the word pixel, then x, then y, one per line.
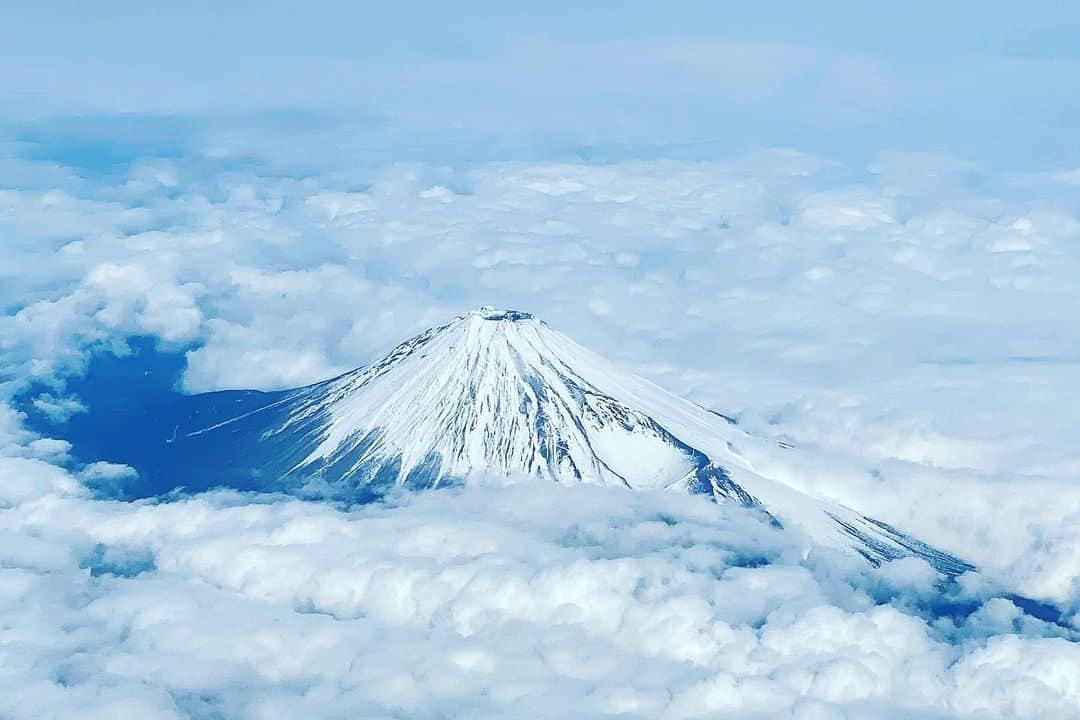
pixel 717 78
pixel 903 325
pixel 496 601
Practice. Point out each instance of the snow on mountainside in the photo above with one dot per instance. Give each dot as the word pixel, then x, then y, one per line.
pixel 498 391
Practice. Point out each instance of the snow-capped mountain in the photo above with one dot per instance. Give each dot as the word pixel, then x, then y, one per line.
pixel 500 392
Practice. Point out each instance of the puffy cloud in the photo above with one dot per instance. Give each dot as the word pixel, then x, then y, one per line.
pixel 492 600
pixel 862 315
pixel 24 479
pixel 132 299
pixel 902 329
pixel 58 409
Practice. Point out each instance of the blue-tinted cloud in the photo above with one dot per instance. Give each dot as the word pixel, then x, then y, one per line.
pixel 993 83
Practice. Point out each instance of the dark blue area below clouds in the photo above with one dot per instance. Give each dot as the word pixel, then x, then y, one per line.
pixel 135 414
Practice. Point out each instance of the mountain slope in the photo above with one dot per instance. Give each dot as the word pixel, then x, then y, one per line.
pixel 500 392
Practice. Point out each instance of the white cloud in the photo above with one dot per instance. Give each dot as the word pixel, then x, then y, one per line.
pixel 905 331
pixel 58 409
pixel 873 311
pixel 133 299
pixel 23 479
pixel 496 601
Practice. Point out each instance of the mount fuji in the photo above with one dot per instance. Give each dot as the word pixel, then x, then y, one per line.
pixel 493 392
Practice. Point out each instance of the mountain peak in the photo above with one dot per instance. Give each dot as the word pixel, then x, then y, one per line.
pixel 486 312
pixel 497 392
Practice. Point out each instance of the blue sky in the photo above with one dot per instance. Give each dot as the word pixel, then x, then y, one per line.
pixel 992 82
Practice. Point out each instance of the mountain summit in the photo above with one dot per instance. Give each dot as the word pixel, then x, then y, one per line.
pixel 498 392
